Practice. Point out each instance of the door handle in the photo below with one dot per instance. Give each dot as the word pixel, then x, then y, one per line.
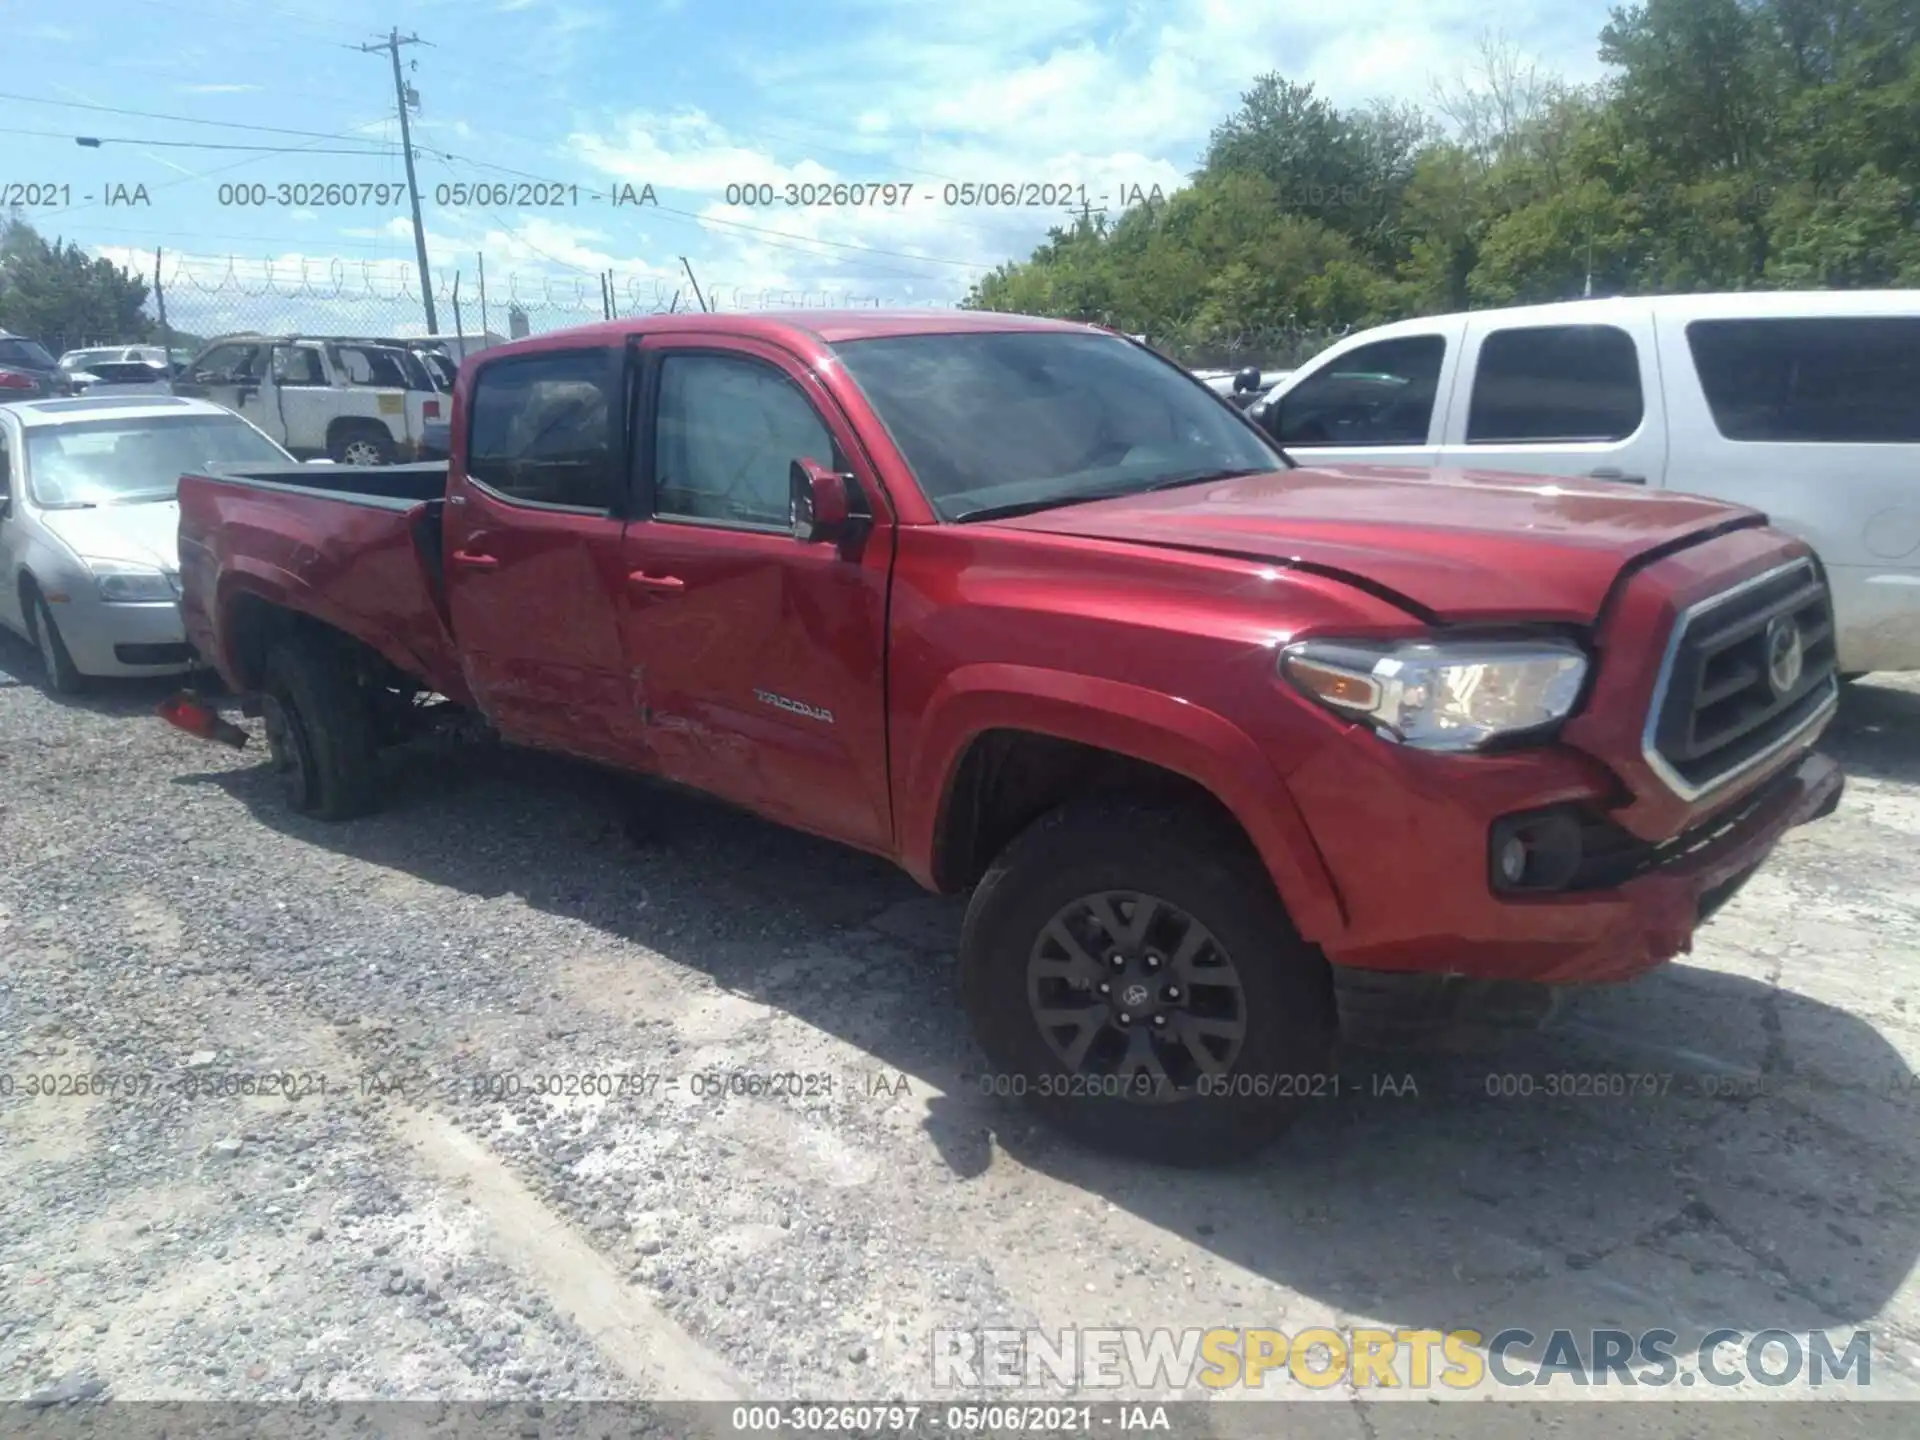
pixel 467 560
pixel 655 584
pixel 1614 473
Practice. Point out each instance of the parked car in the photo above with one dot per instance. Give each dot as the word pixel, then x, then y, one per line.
pixel 89 569
pixel 353 401
pixel 436 440
pixel 1799 404
pixel 27 371
pixel 73 361
pixel 1226 751
pixel 123 377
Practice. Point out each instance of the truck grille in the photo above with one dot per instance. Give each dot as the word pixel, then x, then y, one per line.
pixel 1746 674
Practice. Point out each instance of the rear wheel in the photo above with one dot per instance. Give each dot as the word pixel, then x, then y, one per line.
pixel 1133 977
pixel 365 444
pixel 320 730
pixel 62 676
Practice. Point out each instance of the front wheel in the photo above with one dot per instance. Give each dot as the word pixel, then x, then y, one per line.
pixel 1132 975
pixel 63 677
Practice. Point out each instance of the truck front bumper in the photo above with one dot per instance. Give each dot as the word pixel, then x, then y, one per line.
pixel 1600 932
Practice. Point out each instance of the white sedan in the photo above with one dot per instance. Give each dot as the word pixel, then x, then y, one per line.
pixel 89 521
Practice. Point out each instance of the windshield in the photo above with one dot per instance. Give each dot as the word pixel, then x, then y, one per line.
pixel 1034 419
pixel 25 352
pixel 126 462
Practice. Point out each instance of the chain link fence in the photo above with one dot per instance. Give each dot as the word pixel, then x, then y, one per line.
pixel 1270 347
pixel 200 297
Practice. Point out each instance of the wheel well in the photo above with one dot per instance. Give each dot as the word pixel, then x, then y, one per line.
pixel 254 625
pixel 1009 778
pixel 343 425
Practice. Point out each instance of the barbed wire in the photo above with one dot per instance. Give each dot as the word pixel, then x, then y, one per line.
pixel 207 295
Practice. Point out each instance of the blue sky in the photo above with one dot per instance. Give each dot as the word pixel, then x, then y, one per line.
pixel 689 97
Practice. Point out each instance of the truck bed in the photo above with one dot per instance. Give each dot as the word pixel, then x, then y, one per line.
pixel 355 546
pixel 392 485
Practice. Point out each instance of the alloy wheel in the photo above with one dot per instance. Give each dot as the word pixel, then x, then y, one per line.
pixel 1132 990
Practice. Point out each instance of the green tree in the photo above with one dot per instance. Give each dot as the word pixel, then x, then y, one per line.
pixel 1738 144
pixel 55 293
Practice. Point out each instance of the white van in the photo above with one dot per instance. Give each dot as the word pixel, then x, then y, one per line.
pixel 1805 405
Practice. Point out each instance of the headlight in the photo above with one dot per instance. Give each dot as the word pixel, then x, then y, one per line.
pixel 121 583
pixel 1441 695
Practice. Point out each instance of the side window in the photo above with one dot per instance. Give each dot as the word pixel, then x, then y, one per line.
pixel 6 474
pixel 726 433
pixel 297 365
pixel 1556 384
pixel 1378 394
pixel 1835 381
pixel 540 429
pixel 225 362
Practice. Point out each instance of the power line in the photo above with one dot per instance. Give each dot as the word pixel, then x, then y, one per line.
pixel 187 179
pixel 93 140
pixel 156 115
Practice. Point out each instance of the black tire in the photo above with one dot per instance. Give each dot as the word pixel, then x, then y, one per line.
pixel 61 675
pixel 374 438
pixel 320 730
pixel 1191 864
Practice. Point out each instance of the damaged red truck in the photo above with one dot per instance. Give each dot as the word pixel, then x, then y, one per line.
pixel 1233 755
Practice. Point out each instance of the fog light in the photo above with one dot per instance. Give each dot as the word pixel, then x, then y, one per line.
pixel 1536 852
pixel 1513 860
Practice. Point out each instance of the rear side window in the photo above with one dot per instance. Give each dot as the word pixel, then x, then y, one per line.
pixel 1379 394
pixel 1837 381
pixel 24 352
pixel 1556 384
pixel 540 429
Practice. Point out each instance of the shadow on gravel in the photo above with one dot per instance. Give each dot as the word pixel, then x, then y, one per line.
pixel 1690 1151
pixel 20 666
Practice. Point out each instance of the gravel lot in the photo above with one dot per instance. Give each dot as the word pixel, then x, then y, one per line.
pixel 416 1230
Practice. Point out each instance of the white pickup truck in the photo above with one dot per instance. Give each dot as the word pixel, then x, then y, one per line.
pixel 354 401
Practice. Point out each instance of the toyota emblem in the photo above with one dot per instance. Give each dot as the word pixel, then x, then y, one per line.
pixel 1134 995
pixel 1786 654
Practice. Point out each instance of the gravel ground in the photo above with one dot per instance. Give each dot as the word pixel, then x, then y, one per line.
pixel 404 1215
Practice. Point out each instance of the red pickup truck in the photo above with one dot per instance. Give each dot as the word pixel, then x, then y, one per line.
pixel 1232 754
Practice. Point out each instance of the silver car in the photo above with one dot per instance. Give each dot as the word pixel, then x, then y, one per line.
pixel 89 521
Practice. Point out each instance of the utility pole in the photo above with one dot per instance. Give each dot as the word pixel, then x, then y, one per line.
pixel 166 335
pixel 481 256
pixel 392 45
pixel 696 285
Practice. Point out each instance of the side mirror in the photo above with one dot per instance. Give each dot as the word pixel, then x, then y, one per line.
pixel 819 502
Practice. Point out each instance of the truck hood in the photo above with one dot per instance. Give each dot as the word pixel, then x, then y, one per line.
pixel 1448 544
pixel 144 534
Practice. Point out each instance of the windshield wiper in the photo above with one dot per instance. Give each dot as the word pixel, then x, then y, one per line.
pixel 1025 507
pixel 1028 507
pixel 1202 477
